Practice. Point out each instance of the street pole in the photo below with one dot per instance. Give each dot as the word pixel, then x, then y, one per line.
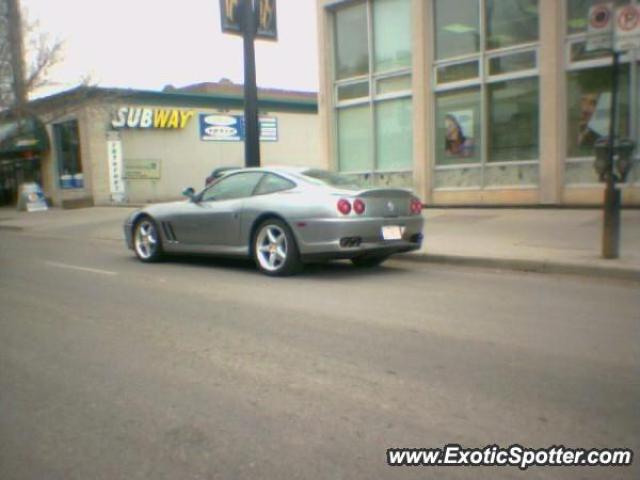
pixel 16 52
pixel 252 133
pixel 611 230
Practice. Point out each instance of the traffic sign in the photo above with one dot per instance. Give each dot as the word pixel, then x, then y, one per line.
pixel 627 28
pixel 600 29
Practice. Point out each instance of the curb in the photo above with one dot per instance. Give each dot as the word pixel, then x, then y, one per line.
pixel 521 265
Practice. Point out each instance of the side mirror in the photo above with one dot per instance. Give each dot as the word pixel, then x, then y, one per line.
pixel 189 192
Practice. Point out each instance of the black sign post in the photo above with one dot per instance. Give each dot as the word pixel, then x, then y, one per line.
pixel 252 130
pixel 252 19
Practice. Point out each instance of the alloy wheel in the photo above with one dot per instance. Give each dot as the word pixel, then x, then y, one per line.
pixel 271 247
pixel 146 239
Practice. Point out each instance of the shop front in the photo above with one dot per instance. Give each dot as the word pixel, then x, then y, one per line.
pixel 23 144
pixel 473 102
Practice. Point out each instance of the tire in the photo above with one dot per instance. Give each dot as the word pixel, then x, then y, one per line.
pixel 147 243
pixel 369 262
pixel 275 250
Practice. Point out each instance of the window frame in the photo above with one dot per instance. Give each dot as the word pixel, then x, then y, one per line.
pixel 484 79
pixel 372 77
pixel 632 59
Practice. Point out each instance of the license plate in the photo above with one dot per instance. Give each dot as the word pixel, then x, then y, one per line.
pixel 392 232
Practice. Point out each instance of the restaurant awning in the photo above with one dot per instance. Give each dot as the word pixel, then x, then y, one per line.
pixel 23 135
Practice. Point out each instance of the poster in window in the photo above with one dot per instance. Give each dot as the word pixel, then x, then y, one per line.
pixel 594 117
pixel 459 134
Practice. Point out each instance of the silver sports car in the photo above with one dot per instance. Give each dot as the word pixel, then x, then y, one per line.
pixel 282 218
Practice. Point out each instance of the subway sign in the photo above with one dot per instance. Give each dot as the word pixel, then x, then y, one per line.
pixel 138 117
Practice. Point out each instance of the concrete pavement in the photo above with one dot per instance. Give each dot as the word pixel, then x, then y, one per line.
pixel 200 368
pixel 544 240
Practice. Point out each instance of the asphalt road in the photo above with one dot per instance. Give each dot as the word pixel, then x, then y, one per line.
pixel 198 369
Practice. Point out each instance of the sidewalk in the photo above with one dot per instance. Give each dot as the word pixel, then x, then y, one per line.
pixel 542 240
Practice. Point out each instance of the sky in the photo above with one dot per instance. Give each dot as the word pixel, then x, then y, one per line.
pixel 147 44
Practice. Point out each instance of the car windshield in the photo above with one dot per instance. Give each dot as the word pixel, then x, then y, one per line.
pixel 332 179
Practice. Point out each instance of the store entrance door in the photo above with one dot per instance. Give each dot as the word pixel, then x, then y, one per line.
pixel 13 173
pixel 8 183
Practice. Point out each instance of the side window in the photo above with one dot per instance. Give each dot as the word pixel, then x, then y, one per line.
pixel 238 185
pixel 272 184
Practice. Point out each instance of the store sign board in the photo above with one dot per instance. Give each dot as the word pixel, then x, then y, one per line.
pixel 231 128
pixel 161 118
pixel 138 169
pixel 600 27
pixel 114 156
pixel 627 28
pixel 230 18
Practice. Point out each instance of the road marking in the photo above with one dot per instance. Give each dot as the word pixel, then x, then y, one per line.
pixel 82 269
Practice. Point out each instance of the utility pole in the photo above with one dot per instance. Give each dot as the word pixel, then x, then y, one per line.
pixel 252 128
pixel 16 55
pixel 611 230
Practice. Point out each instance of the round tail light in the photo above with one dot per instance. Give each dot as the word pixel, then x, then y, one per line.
pixel 358 206
pixel 416 206
pixel 344 207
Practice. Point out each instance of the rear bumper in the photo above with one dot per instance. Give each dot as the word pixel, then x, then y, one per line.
pixel 320 239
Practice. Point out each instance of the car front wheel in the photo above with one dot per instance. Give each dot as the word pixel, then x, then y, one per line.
pixel 275 249
pixel 146 240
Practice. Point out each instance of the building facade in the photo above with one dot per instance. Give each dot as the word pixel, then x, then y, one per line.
pixel 471 102
pixel 106 146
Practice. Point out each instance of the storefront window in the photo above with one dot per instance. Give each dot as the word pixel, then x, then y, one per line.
pixel 589 106
pixel 487 101
pixel 392 38
pixel 511 22
pixel 394 135
pixel 67 141
pixel 457 24
pixel 374 112
pixel 354 139
pixel 352 50
pixel 458 127
pixel 513 119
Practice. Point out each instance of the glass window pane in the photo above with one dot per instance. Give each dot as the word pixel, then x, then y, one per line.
pixel 354 90
pixel 512 63
pixel 394 135
pixel 458 72
pixel 589 104
pixel 579 52
pixel 236 185
pixel 513 120
pixel 392 34
pixel 69 156
pixel 272 184
pixel 354 139
pixel 352 50
pixel 457 24
pixel 578 12
pixel 394 84
pixel 511 22
pixel 458 127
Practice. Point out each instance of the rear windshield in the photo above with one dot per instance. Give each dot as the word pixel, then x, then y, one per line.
pixel 332 179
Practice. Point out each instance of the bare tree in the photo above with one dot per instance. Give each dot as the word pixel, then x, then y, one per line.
pixel 26 56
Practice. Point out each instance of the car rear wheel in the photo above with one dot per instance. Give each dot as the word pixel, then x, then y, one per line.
pixel 369 262
pixel 275 250
pixel 146 240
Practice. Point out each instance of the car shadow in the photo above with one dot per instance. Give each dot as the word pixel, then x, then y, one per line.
pixel 322 270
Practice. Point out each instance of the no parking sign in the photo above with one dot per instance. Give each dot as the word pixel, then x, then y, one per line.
pixel 627 28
